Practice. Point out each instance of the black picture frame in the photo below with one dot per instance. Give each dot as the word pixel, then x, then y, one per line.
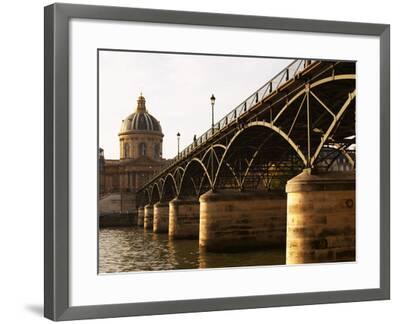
pixel 56 181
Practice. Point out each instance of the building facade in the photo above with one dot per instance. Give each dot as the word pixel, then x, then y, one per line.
pixel 140 143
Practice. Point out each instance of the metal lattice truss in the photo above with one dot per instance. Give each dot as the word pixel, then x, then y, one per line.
pixel 308 121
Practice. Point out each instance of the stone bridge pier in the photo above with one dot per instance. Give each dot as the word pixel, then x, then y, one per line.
pixel 140 216
pixel 161 217
pixel 184 215
pixel 233 221
pixel 321 217
pixel 148 217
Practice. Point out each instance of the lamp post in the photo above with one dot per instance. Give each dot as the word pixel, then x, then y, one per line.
pixel 212 133
pixel 212 112
pixel 178 136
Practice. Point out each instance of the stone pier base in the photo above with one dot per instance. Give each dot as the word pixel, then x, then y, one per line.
pixel 184 215
pixel 140 216
pixel 161 216
pixel 148 217
pixel 321 218
pixel 234 221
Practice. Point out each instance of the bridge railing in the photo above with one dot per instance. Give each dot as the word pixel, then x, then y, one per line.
pixel 268 88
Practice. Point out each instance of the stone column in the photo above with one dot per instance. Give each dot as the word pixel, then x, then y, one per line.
pixel 234 221
pixel 148 217
pixel 321 217
pixel 161 216
pixel 140 216
pixel 184 216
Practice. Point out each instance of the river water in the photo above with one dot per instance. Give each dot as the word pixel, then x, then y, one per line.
pixel 125 249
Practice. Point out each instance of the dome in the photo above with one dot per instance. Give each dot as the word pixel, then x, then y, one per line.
pixel 140 120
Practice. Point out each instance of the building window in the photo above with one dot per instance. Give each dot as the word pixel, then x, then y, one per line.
pixel 142 149
pixel 156 151
pixel 126 150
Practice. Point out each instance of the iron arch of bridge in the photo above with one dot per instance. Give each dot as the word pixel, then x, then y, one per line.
pixel 222 159
pixel 172 178
pixel 246 128
pixel 145 197
pixel 180 173
pixel 205 175
pixel 345 154
pixel 212 149
pixel 270 126
pixel 155 192
pixel 169 186
pixel 216 152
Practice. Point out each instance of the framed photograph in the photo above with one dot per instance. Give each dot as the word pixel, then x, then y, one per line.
pixel 200 162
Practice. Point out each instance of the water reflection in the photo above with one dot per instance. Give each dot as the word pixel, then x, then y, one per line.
pixel 134 249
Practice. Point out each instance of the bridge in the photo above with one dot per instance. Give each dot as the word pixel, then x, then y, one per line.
pixel 277 170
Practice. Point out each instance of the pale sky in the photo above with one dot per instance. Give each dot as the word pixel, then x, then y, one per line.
pixel 177 89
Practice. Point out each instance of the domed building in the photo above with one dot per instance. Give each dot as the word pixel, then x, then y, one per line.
pixel 141 135
pixel 140 142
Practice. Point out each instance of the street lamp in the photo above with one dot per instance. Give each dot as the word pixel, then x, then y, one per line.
pixel 212 133
pixel 212 110
pixel 178 135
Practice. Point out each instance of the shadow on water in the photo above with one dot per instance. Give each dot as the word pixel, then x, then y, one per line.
pixel 134 249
